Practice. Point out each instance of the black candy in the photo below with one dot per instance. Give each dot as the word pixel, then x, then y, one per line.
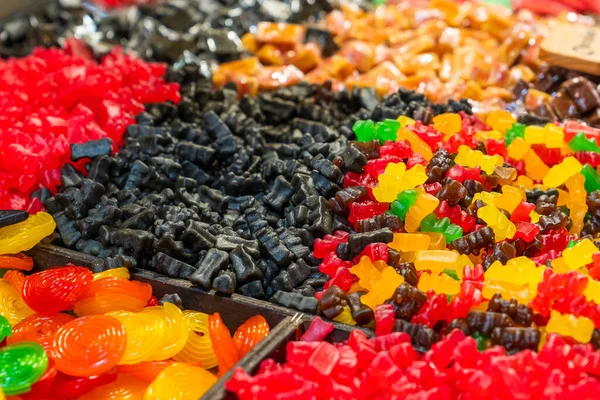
pixel 11 217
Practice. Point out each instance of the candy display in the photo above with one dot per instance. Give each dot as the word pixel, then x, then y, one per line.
pixel 387 367
pixel 110 351
pixel 411 170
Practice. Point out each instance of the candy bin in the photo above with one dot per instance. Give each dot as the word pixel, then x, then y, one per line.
pixel 70 333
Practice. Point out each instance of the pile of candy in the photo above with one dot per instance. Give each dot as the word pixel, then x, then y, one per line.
pixel 387 367
pixel 55 99
pixel 443 49
pixel 558 93
pixel 486 227
pixel 227 193
pixel 71 334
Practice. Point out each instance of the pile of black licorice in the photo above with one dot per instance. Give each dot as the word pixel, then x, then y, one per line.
pixel 228 193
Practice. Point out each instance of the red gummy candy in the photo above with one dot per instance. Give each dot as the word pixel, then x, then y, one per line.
pixel 375 252
pixel 318 330
pixel 366 209
pixel 384 319
pixel 329 243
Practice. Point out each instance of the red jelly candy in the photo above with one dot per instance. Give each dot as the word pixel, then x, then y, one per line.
pixel 366 209
pixel 55 289
pixel 384 319
pixel 317 330
pixel 329 243
pixel 375 252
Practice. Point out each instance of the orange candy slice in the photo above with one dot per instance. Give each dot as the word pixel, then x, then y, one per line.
pixel 15 278
pixel 89 346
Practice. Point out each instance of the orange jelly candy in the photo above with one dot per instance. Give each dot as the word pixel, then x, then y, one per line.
pixel 225 349
pixel 89 346
pixel 40 329
pixel 113 294
pixel 15 278
pixel 250 333
pixel 16 261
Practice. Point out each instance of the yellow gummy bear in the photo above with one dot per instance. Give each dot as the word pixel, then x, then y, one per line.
pixel 503 228
pixel 366 272
pixel 410 242
pixel 579 328
pixel 382 289
pixel 396 179
pixel 522 293
pixel 487 197
pixel 500 120
pixel 555 136
pixel 519 271
pixel 534 166
pixel 560 173
pixel 425 205
pixel 475 158
pixel 448 124
pixel 580 254
pixel 510 198
pixel 535 134
pixel 576 202
pixel 437 241
pixel 518 148
pixel 437 261
pixel 440 284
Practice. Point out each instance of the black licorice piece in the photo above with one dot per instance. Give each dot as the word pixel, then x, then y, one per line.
pixel 11 217
pixel 170 266
pixel 208 268
pixel 296 301
pixel 224 282
pixel 243 265
pixel 358 241
pixel 91 149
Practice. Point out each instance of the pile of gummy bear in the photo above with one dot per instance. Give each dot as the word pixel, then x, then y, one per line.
pixel 67 333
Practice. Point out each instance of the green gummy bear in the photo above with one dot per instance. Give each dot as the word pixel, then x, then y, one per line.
pixel 387 130
pixel 581 143
pixel 592 180
pixel 404 201
pixel 364 130
pixel 515 131
pixel 452 232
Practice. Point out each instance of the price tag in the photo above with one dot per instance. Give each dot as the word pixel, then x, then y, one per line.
pixel 573 46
